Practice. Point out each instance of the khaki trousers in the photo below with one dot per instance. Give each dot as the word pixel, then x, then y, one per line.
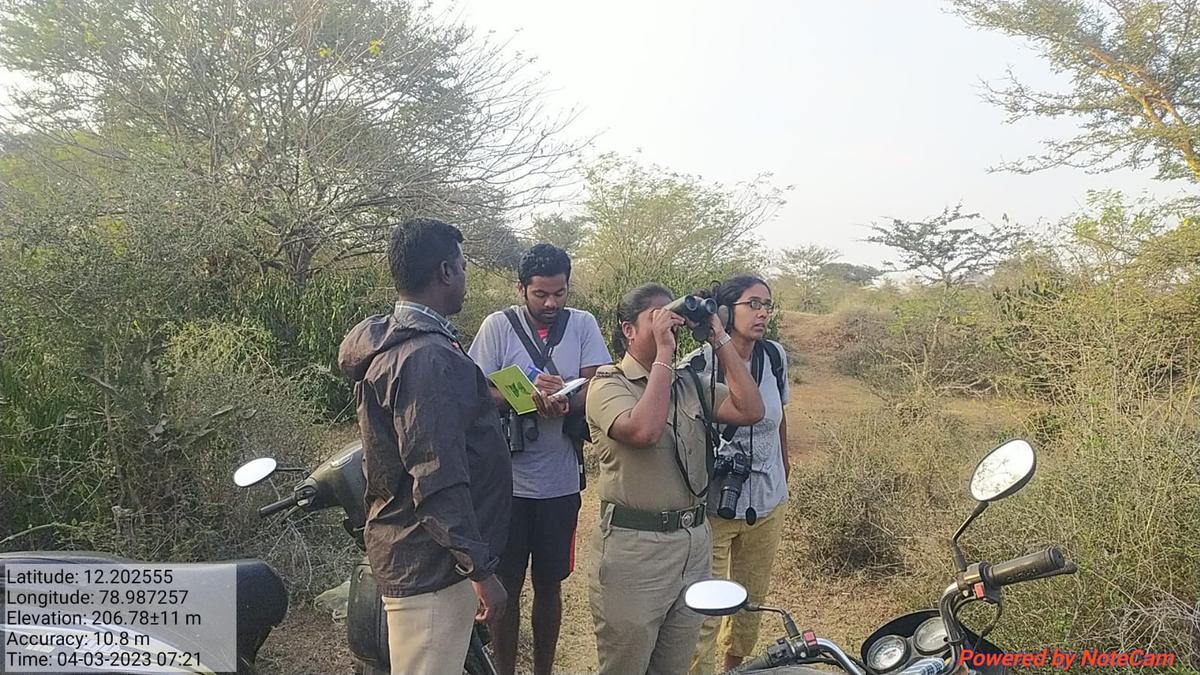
pixel 430 633
pixel 745 554
pixel 636 586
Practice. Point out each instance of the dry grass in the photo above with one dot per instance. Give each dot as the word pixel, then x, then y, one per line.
pixel 308 641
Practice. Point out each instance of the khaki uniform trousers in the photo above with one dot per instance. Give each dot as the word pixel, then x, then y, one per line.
pixel 431 632
pixel 636 586
pixel 744 553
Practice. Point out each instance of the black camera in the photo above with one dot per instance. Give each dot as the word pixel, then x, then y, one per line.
pixel 730 472
pixel 518 429
pixel 697 310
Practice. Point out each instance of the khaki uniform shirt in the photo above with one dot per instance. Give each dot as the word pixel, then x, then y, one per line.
pixel 649 479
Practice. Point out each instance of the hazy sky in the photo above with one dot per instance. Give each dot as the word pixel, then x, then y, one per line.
pixel 870 108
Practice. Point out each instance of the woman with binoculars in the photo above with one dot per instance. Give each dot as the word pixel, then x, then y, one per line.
pixel 648 419
pixel 749 487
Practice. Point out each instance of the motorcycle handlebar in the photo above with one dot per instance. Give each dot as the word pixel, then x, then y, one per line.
pixel 820 651
pixel 1046 563
pixel 763 662
pixel 273 507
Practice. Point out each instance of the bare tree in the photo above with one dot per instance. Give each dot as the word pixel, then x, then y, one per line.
pixel 944 252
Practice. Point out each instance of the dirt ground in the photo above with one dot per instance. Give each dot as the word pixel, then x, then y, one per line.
pixel 844 611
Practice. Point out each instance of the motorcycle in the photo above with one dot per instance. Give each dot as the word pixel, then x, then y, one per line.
pixel 340 482
pixel 927 642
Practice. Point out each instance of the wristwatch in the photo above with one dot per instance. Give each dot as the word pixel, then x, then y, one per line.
pixel 721 342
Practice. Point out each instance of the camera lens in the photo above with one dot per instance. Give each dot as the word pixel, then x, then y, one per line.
pixel 731 491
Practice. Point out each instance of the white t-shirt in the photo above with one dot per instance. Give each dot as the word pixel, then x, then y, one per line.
pixel 766 487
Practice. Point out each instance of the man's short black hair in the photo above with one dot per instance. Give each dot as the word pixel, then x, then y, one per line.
pixel 543 260
pixel 417 248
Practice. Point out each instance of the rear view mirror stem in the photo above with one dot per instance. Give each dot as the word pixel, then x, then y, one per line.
pixel 788 622
pixel 960 560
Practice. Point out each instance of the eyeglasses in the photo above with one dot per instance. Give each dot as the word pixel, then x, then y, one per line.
pixel 756 304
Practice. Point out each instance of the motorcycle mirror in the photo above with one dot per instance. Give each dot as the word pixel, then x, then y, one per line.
pixel 1004 471
pixel 255 471
pixel 716 597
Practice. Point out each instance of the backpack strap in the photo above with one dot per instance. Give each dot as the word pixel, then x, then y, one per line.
pixel 776 365
pixel 756 369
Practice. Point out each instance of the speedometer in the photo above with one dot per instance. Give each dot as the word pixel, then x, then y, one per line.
pixel 931 637
pixel 887 653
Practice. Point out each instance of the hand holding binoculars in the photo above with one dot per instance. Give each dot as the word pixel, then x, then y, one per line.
pixel 698 312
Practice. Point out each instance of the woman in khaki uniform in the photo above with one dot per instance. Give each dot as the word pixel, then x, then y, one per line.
pixel 653 538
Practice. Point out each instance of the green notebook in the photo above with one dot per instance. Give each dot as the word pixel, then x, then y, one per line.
pixel 516 387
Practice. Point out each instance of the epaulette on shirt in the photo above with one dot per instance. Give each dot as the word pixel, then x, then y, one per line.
pixel 611 370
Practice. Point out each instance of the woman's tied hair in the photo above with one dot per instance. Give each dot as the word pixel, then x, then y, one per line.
pixel 727 292
pixel 632 304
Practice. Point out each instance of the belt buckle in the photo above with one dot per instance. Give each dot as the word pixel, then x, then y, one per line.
pixel 687 518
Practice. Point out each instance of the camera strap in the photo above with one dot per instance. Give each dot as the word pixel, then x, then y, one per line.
pixel 710 450
pixel 540 352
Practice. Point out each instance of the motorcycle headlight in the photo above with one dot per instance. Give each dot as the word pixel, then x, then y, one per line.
pixel 931 637
pixel 887 653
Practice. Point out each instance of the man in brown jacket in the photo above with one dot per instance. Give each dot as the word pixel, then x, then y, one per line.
pixel 439 477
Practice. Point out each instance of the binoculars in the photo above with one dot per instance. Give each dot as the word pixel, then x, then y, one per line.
pixel 697 310
pixel 518 429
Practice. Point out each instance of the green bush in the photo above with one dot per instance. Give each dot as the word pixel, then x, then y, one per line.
pixel 142 466
pixel 307 324
pixel 1119 494
pixel 885 496
pixel 247 412
pixel 48 434
pixel 846 515
pixel 1105 348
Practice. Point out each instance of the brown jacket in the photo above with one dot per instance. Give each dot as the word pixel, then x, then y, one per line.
pixel 439 476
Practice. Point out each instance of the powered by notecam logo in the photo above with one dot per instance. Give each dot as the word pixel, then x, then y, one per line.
pixel 1055 658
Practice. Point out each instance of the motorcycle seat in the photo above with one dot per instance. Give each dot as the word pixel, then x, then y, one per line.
pixel 262 597
pixel 73 557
